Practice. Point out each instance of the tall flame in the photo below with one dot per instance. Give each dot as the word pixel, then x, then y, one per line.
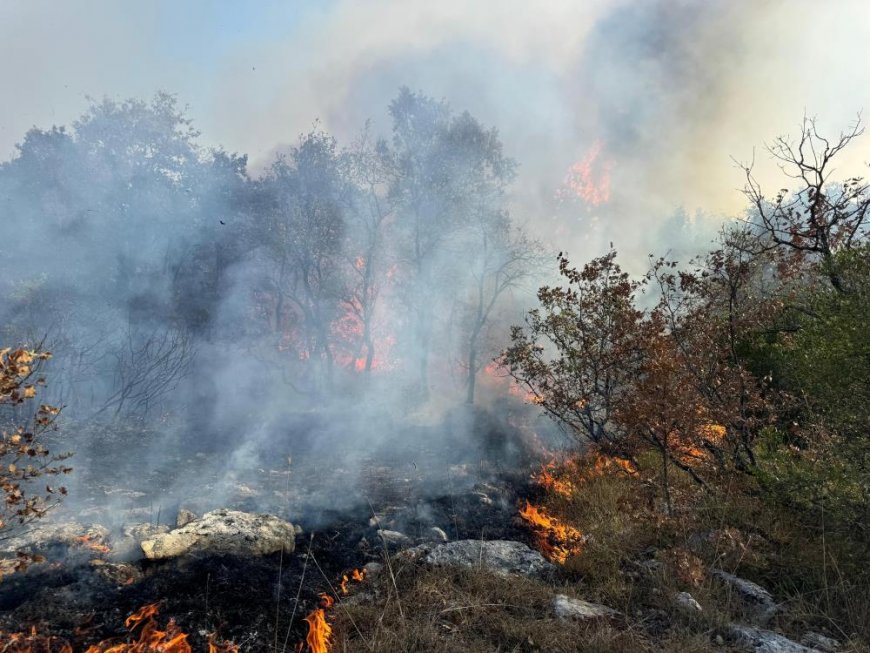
pixel 319 630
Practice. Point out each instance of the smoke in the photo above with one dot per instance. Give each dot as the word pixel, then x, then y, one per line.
pixel 664 93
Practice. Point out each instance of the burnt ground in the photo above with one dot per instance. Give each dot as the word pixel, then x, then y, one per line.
pixel 409 485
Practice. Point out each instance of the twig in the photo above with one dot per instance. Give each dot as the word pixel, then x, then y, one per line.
pixel 296 600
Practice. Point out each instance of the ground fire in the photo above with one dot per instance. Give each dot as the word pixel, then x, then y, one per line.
pixel 557 541
pixel 319 630
pixel 151 638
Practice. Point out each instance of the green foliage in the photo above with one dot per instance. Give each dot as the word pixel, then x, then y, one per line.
pixel 818 461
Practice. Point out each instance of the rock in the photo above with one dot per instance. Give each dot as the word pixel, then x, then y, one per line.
pixel 372 569
pixel 757 640
pixel 393 538
pixel 224 532
pixel 184 517
pixel 42 536
pixel 117 573
pixel 567 608
pixel 435 534
pixel 687 602
pixel 820 642
pixel 758 601
pixel 297 529
pixel 129 545
pixel 501 556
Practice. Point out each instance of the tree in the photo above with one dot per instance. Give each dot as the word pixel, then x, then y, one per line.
pixel 502 258
pixel 303 232
pixel 369 209
pixel 23 456
pixel 670 378
pixel 820 217
pixel 449 173
pixel 579 351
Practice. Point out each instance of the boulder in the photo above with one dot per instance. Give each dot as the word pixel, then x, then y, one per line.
pixel 129 545
pixel 567 608
pixel 758 640
pixel 224 532
pixel 756 600
pixel 501 556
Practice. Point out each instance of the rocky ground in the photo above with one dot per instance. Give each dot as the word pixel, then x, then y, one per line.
pixel 252 577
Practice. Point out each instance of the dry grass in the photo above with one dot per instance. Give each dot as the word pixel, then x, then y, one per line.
pixel 473 610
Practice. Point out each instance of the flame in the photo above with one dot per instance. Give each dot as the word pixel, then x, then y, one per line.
pixel 221 647
pixel 91 542
pixel 557 541
pixel 319 630
pixel 357 576
pixel 548 478
pixel 563 477
pixel 32 642
pixel 588 179
pixel 151 639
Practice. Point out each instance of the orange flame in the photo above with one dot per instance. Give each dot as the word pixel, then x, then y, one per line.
pixel 32 642
pixel 357 576
pixel 92 543
pixel 319 630
pixel 151 639
pixel 557 541
pixel 588 179
pixel 564 477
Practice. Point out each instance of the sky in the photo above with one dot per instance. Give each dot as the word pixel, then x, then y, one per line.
pixel 668 91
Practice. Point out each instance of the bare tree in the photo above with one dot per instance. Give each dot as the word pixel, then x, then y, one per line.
pixel 147 366
pixel 820 216
pixel 503 258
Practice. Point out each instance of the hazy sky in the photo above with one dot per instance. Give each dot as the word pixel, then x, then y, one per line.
pixel 670 89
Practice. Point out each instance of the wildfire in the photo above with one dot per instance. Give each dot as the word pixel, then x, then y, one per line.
pixel 32 642
pixel 557 541
pixel 151 639
pixel 319 630
pixel 565 476
pixel 548 477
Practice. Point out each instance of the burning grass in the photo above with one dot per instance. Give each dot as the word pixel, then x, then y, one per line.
pixel 145 636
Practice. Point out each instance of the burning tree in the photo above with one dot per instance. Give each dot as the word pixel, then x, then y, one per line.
pixel 369 210
pixel 669 378
pixel 23 456
pixel 448 174
pixel 302 234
